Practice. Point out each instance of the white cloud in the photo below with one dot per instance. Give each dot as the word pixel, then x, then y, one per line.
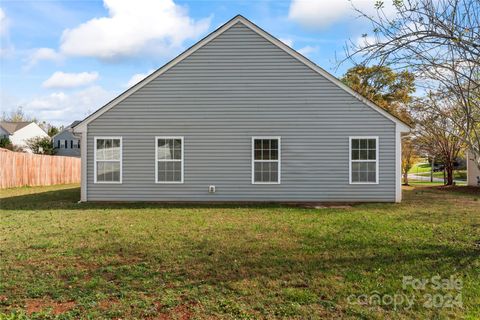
pixel 288 42
pixel 133 27
pixel 4 23
pixel 136 78
pixel 307 50
pixel 6 47
pixel 41 54
pixel 322 13
pixel 70 80
pixel 59 107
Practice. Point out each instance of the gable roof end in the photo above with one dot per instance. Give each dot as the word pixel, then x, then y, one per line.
pixel 12 127
pixel 68 128
pixel 238 19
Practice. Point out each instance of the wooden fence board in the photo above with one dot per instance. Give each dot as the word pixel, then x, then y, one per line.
pixel 24 169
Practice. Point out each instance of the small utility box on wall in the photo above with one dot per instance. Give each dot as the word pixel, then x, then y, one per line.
pixel 211 189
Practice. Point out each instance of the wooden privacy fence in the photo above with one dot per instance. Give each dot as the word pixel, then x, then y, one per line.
pixel 24 169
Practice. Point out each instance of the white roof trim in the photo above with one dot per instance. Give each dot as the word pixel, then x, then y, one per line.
pixel 82 125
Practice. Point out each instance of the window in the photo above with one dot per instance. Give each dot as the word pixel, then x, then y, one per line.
pixel 71 144
pixel 58 144
pixel 266 160
pixel 78 144
pixel 66 143
pixel 108 160
pixel 169 159
pixel 364 160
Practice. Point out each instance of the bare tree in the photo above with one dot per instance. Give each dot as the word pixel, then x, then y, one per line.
pixel 437 135
pixel 439 41
pixel 17 115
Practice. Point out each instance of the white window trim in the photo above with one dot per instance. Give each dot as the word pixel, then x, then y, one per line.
pixel 376 157
pixel 279 160
pixel 95 161
pixel 157 160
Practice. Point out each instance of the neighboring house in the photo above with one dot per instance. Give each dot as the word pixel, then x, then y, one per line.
pixel 240 116
pixel 473 172
pixel 20 132
pixel 66 143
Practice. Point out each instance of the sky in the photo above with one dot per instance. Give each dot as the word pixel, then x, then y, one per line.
pixel 62 60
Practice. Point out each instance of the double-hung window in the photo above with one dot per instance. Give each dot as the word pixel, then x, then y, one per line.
pixel 169 159
pixel 266 160
pixel 108 160
pixel 363 160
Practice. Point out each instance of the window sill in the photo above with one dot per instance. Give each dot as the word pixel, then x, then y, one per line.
pixel 266 183
pixel 105 182
pixel 169 182
pixel 363 182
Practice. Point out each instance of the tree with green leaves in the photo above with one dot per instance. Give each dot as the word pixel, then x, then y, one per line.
pixel 41 145
pixel 52 130
pixel 408 156
pixel 6 143
pixel 388 89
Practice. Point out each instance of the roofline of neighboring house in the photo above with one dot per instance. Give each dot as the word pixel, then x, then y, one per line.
pixel 28 123
pixel 66 129
pixel 4 129
pixel 69 128
pixel 404 127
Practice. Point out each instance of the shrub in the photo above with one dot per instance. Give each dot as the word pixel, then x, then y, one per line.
pixel 6 143
pixel 41 145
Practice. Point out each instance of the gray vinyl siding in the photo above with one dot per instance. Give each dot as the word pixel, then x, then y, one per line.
pixel 237 86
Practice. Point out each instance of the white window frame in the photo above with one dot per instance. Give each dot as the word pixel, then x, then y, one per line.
pixel 165 160
pixel 95 161
pixel 279 160
pixel 377 160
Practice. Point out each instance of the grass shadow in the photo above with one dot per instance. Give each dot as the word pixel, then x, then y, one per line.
pixel 67 199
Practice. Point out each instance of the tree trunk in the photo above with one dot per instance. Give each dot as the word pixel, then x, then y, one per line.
pixel 405 179
pixel 449 171
pixel 431 169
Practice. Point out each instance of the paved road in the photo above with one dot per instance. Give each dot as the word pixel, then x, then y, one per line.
pixel 427 178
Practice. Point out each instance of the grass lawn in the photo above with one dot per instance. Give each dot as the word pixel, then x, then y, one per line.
pixel 420 168
pixel 67 260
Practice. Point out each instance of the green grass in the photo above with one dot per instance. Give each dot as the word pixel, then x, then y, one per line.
pixel 420 167
pixel 417 183
pixel 67 260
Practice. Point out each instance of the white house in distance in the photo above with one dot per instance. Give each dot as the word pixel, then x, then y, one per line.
pixel 66 143
pixel 20 132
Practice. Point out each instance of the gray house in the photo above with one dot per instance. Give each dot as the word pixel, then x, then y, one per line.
pixel 66 143
pixel 240 116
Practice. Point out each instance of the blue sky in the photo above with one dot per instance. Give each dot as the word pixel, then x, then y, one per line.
pixel 61 60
